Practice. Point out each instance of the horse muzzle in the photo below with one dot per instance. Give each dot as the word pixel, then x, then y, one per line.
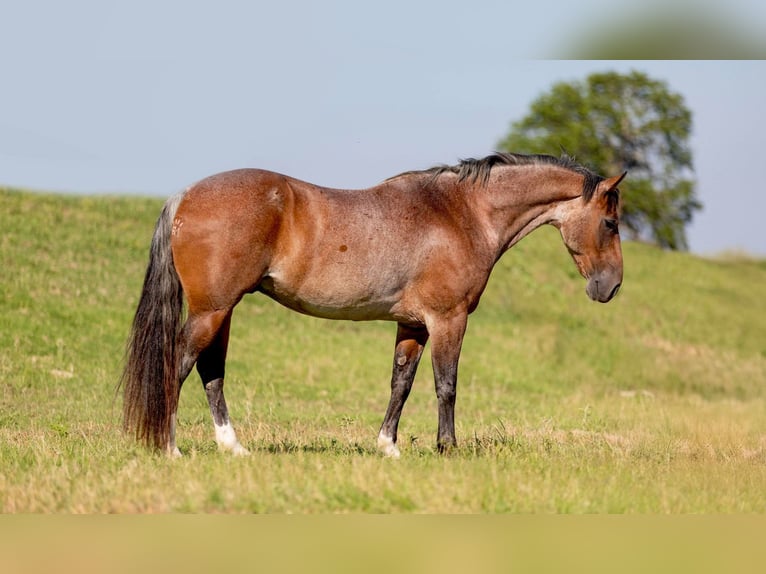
pixel 602 287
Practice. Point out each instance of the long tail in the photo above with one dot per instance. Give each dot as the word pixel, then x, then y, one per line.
pixel 150 379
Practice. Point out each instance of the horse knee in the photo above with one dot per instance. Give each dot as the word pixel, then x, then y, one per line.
pixel 446 394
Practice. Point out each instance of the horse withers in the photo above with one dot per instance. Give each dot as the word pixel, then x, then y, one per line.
pixel 416 249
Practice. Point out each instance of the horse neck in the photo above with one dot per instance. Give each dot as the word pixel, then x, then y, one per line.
pixel 519 199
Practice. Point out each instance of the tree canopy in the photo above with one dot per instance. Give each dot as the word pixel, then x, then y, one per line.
pixel 615 122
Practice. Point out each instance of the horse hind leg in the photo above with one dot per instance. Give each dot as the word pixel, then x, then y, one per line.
pixel 204 340
pixel 186 364
pixel 211 365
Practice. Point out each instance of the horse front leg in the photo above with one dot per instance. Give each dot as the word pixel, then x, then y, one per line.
pixel 446 342
pixel 410 342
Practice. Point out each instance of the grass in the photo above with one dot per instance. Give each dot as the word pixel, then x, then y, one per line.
pixel 651 404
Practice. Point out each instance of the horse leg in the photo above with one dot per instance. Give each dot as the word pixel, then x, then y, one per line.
pixel 409 347
pixel 446 342
pixel 186 363
pixel 211 368
pixel 200 332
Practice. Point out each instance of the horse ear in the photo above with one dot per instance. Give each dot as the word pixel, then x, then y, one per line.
pixel 611 183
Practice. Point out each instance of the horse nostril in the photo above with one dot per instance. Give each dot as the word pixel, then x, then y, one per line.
pixel 614 290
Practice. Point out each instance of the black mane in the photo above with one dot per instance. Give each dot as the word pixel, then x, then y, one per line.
pixel 478 170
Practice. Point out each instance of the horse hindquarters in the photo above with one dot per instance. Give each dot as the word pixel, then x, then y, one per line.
pixel 222 244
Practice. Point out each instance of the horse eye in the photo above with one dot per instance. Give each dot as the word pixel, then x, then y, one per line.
pixel 612 225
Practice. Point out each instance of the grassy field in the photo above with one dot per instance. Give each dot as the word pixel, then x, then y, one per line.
pixel 654 403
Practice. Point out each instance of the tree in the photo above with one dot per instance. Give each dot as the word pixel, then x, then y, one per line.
pixel 613 123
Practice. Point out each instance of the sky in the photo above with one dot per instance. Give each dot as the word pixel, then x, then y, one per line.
pixel 147 97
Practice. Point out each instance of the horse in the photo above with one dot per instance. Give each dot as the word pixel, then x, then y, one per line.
pixel 416 249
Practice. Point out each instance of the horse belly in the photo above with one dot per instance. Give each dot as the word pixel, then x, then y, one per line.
pixel 332 296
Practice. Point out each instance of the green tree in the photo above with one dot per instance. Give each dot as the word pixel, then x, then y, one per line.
pixel 622 122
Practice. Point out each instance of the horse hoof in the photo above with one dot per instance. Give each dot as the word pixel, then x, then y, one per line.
pixel 387 446
pixel 240 450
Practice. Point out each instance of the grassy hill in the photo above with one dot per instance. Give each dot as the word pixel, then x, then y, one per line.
pixel 652 403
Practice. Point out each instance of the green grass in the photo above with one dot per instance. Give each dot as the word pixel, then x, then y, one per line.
pixel 654 403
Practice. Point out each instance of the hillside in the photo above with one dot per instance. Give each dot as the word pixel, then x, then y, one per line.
pixel 651 403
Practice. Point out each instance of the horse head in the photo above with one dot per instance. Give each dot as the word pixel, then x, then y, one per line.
pixel 590 229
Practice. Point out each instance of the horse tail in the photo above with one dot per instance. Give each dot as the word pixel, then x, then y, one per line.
pixel 150 378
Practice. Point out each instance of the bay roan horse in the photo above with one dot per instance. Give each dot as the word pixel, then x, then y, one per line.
pixel 416 249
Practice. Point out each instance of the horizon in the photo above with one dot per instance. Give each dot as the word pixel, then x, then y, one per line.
pixel 345 104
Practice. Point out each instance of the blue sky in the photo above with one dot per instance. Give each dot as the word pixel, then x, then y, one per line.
pixel 146 98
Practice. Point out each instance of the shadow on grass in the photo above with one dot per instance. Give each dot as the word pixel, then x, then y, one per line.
pixel 469 448
pixel 497 442
pixel 330 446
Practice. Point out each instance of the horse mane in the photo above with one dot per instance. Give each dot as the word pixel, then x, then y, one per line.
pixel 478 170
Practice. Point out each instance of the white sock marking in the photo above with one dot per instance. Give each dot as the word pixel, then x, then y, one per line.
pixel 227 440
pixel 172 449
pixel 387 446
